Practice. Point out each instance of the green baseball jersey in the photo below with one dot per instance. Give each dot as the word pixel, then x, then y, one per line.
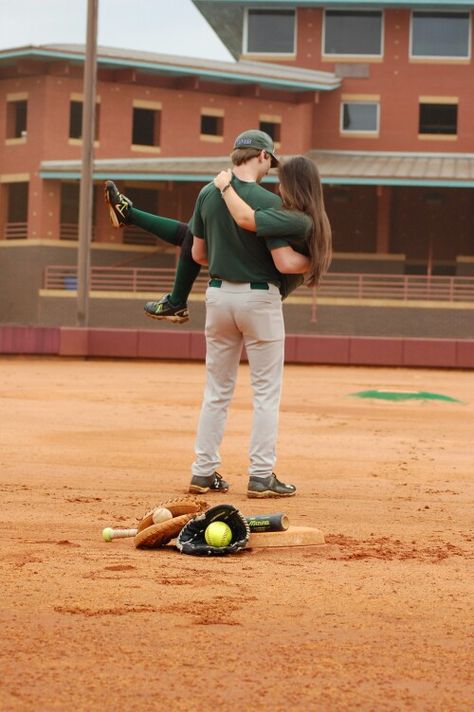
pixel 235 254
pixel 285 227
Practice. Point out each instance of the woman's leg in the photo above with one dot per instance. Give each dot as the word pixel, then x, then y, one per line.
pixel 171 306
pixel 167 229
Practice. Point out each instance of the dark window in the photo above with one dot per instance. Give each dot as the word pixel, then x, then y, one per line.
pixel 272 128
pixel 17 202
pixel 353 32
pixel 271 31
pixel 75 120
pixel 17 211
pixel 440 34
pixel 438 119
pixel 212 125
pixel 69 213
pixel 359 116
pixel 146 127
pixel 16 118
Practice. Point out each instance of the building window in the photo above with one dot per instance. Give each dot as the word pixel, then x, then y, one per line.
pixel 69 211
pixel 353 32
pixel 440 34
pixel 212 124
pixel 360 116
pixel 270 31
pixel 17 211
pixel 438 119
pixel 75 120
pixel 272 128
pixel 16 118
pixel 146 127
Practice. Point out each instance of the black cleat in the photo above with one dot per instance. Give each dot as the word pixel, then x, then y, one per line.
pixel 163 309
pixel 269 487
pixel 201 485
pixel 119 205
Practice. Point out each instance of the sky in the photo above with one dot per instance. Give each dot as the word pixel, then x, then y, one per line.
pixel 162 26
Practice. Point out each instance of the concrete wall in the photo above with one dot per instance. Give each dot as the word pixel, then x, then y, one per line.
pixel 130 343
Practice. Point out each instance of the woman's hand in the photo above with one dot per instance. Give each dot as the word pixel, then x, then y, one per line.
pixel 222 179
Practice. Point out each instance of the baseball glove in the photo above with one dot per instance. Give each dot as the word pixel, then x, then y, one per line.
pixel 191 539
pixel 177 507
pixel 182 510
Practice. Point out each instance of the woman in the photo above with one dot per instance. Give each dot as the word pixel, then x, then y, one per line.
pixel 302 220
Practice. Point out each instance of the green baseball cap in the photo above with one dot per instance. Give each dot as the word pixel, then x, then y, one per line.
pixel 260 140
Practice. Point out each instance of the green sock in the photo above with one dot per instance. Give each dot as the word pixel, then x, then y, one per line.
pixel 186 273
pixel 165 228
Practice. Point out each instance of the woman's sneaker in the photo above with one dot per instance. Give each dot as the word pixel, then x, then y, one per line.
pixel 201 485
pixel 164 309
pixel 269 487
pixel 119 205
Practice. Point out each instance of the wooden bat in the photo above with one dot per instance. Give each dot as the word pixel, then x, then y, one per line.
pixel 277 522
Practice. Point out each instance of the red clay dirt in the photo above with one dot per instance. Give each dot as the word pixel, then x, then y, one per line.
pixel 378 618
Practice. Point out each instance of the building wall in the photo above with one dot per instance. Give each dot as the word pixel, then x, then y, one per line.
pixel 398 81
pixel 48 120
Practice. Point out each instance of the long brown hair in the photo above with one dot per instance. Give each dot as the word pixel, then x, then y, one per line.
pixel 301 190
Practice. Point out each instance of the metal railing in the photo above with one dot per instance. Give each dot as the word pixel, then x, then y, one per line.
pixel 16 231
pixel 334 285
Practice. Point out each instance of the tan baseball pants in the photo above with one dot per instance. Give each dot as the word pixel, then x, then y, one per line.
pixel 237 315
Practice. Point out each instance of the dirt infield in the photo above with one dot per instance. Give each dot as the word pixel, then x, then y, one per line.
pixel 379 618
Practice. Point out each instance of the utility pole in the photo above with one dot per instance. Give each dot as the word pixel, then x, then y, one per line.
pixel 87 173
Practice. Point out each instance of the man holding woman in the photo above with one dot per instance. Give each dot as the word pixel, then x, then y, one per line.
pixel 243 299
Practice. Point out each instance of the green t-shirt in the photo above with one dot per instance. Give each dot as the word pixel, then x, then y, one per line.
pixel 288 227
pixel 285 227
pixel 235 254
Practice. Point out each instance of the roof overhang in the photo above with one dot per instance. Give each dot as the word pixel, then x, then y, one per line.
pixel 243 73
pixel 226 17
pixel 448 170
pixel 437 4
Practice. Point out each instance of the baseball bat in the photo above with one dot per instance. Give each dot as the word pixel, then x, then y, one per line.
pixel 277 522
pixel 109 533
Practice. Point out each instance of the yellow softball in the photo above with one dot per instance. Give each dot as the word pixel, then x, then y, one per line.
pixel 218 534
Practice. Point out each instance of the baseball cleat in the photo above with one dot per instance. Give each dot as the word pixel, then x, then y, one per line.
pixel 119 205
pixel 164 309
pixel 269 487
pixel 201 485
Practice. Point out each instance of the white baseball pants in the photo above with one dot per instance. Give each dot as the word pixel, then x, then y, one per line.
pixel 237 315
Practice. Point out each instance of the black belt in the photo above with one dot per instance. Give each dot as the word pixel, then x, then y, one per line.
pixel 253 285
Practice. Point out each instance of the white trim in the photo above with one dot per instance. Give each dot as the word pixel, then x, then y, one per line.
pixel 145 104
pixel 15 178
pixel 78 97
pixel 360 57
pixel 359 132
pixel 245 50
pixel 447 58
pixel 212 111
pixel 17 96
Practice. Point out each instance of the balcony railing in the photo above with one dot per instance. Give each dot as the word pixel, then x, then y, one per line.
pixel 334 285
pixel 16 231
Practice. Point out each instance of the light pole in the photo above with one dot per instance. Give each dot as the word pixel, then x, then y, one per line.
pixel 86 188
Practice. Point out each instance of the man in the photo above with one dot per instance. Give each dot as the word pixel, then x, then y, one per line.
pixel 243 307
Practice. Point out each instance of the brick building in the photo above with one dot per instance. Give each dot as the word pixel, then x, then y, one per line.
pixel 379 94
